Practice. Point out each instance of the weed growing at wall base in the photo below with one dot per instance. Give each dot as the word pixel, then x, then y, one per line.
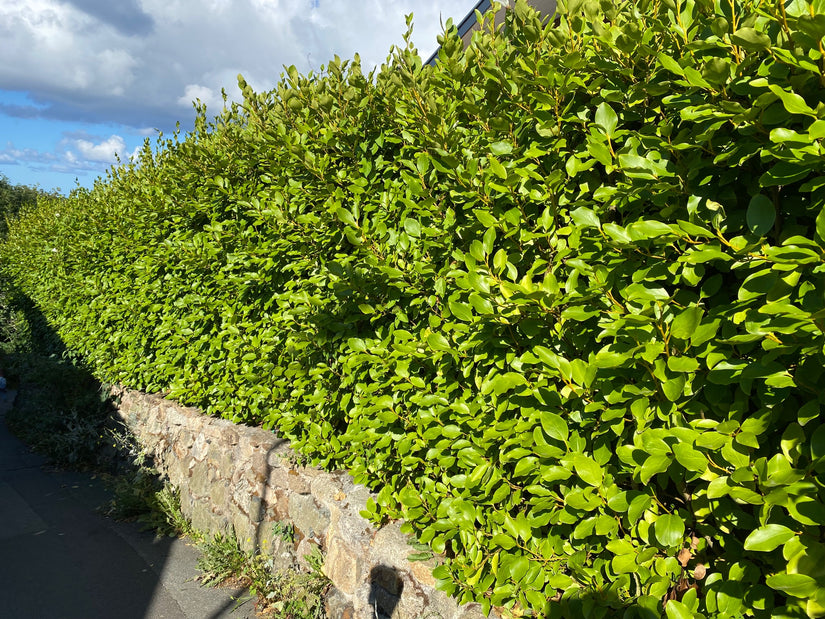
pixel 279 592
pixel 282 593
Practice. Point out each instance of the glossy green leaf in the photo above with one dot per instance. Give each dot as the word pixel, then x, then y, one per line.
pixel 670 64
pixel 686 322
pixel 796 585
pixel 588 470
pixel 607 119
pixel 653 465
pixel 583 216
pixel 813 25
pixel 676 610
pixel 501 148
pixel 820 225
pixel 503 541
pixel 624 564
pixel 498 169
pixel 518 568
pixel 345 216
pixel 768 537
pixel 438 342
pixel 690 458
pixel 413 227
pixel 682 364
pixel 719 487
pixel 669 529
pixel 794 103
pixel 462 311
pixel 480 304
pixel 554 425
pixel 673 388
pixel 507 381
pixel 818 443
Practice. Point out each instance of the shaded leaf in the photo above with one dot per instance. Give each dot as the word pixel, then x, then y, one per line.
pixel 761 215
pixel 751 39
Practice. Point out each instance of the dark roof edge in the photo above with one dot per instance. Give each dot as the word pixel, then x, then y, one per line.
pixel 468 22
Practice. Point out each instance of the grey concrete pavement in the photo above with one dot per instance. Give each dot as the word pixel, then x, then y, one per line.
pixel 60 558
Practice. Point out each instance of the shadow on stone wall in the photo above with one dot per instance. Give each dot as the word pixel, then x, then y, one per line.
pixel 386 587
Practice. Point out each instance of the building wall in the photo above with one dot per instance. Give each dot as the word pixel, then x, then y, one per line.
pixel 468 25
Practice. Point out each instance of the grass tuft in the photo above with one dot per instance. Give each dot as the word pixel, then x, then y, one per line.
pixel 282 593
pixel 60 411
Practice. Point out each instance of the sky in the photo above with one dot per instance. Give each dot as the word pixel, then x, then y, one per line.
pixel 82 81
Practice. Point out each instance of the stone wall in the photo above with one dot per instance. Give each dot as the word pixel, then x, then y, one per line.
pixel 246 480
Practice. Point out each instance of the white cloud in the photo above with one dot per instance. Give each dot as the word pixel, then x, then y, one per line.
pixel 72 154
pixel 14 156
pixel 140 64
pixel 212 99
pixel 131 67
pixel 53 46
pixel 104 152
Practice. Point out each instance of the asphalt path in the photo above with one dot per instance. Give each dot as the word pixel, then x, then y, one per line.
pixel 61 558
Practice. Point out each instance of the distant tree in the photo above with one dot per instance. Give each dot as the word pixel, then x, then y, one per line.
pixel 15 197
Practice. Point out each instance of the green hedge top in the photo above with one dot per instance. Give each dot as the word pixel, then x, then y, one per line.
pixel 560 297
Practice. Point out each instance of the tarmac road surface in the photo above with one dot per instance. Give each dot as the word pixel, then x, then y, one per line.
pixel 60 558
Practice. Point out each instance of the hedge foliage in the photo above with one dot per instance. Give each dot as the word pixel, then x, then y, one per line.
pixel 560 298
pixel 21 326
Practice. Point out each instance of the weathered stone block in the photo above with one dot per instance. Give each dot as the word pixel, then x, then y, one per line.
pixel 181 450
pixel 245 532
pixel 343 566
pixel 199 480
pixel 277 478
pixel 297 482
pixel 259 467
pixel 177 470
pixel 307 516
pixel 204 519
pixel 328 490
pixel 200 447
pixel 242 491
pixel 470 611
pixel 391 547
pixel 338 605
pixel 353 529
pixel 220 457
pixel 218 493
pixel 280 504
pixel 256 510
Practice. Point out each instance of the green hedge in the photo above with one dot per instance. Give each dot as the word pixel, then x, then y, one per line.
pixel 560 298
